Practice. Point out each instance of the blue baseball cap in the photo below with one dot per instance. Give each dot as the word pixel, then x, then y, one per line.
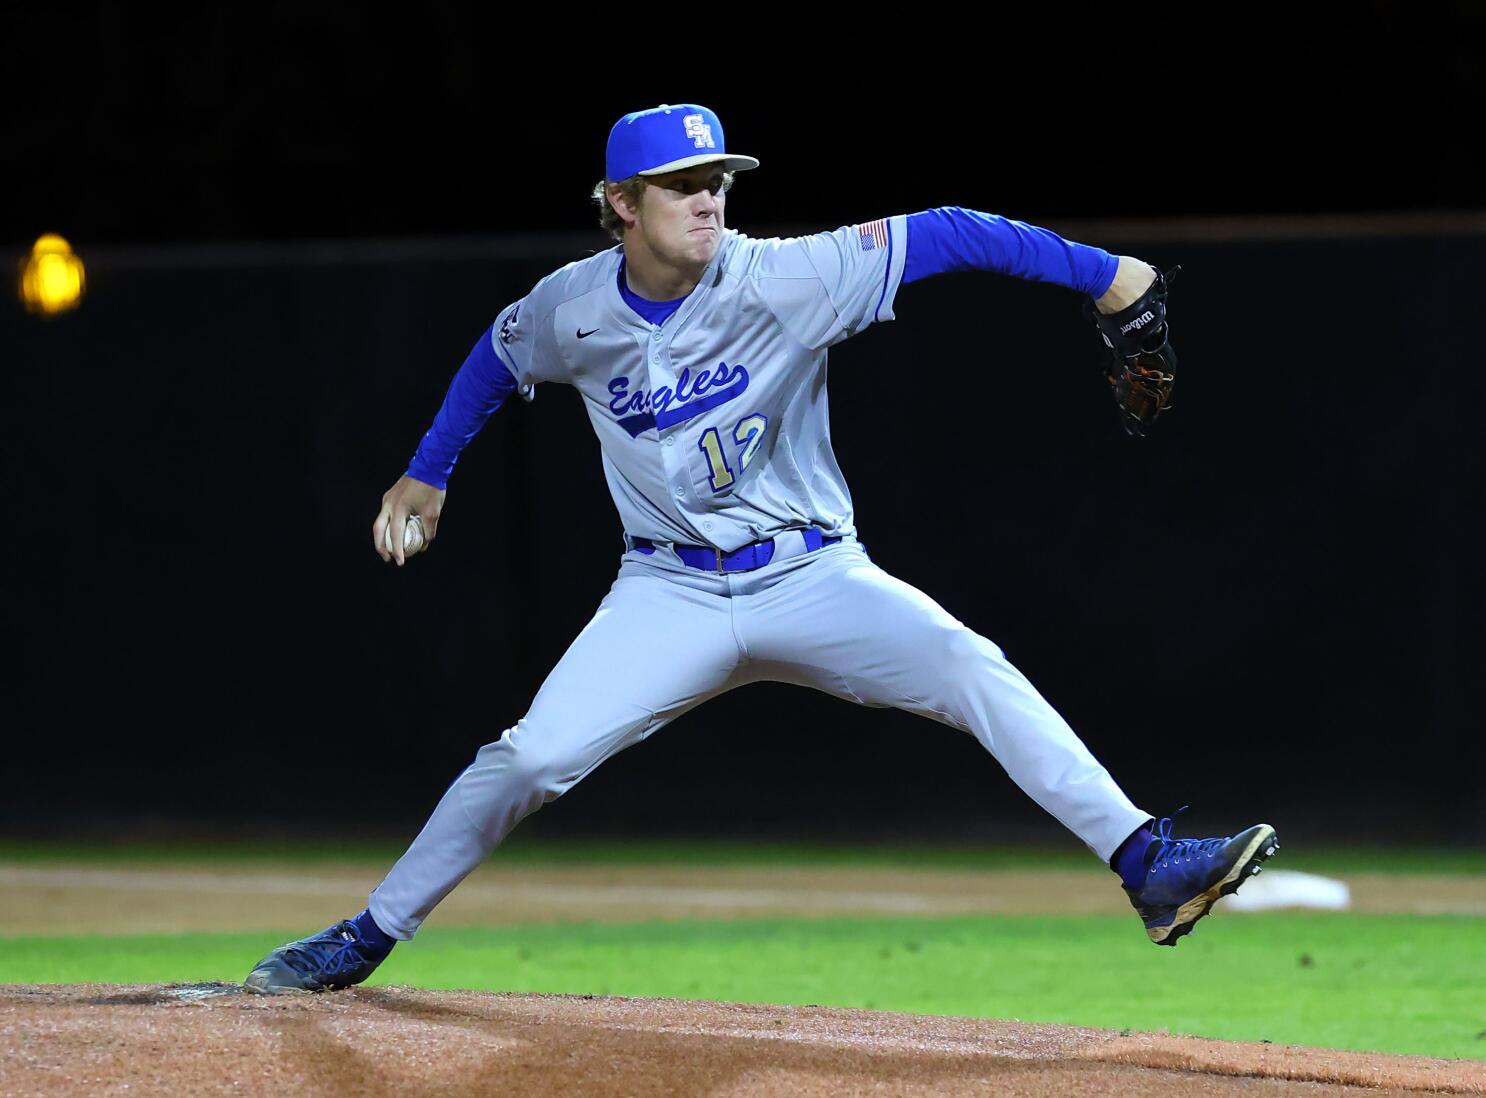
pixel 668 138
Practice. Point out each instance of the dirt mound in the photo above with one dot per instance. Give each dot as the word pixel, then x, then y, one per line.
pixel 215 1039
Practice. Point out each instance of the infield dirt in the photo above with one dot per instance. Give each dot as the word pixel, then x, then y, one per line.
pixel 215 1039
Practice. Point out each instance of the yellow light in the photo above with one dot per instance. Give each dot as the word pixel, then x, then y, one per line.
pixel 52 279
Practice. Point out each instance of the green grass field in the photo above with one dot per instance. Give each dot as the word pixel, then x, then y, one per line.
pixel 1382 983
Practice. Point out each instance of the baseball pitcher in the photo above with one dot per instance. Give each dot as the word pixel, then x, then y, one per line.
pixel 700 354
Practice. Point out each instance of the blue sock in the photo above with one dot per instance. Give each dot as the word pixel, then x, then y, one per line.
pixel 376 939
pixel 1129 860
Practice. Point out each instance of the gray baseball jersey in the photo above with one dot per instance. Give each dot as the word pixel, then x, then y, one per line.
pixel 714 425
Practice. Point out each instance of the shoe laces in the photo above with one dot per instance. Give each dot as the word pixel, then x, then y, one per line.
pixel 323 954
pixel 1181 850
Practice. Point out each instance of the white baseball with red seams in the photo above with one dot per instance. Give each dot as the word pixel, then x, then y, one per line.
pixel 412 537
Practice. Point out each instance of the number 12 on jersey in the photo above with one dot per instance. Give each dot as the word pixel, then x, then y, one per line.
pixel 747 433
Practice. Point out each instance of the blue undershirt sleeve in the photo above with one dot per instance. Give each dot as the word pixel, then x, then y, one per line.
pixel 951 238
pixel 480 387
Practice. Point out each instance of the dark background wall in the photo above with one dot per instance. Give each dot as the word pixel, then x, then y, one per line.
pixel 297 227
pixel 303 118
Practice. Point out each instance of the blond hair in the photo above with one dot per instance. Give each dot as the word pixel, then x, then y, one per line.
pixel 632 188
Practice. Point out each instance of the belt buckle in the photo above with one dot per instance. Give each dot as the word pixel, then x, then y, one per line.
pixel 720 568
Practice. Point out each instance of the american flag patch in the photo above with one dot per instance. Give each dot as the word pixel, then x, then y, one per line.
pixel 873 235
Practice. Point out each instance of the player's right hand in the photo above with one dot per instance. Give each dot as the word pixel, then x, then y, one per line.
pixel 406 497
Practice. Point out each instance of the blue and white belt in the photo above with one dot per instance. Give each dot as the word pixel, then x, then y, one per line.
pixel 751 556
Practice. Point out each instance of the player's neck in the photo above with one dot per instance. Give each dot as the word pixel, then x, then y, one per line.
pixel 652 277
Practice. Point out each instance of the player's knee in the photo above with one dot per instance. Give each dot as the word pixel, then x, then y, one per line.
pixel 530 763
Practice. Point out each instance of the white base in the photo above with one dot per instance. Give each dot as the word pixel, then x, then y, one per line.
pixel 1276 888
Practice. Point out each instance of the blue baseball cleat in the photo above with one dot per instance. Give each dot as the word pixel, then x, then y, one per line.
pixel 1185 877
pixel 337 957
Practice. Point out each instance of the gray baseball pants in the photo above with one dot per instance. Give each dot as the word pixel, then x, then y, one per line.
pixel 668 637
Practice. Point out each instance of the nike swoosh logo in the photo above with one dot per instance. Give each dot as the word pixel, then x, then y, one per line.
pixel 584 335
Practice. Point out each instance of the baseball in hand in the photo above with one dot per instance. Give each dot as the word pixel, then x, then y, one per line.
pixel 412 536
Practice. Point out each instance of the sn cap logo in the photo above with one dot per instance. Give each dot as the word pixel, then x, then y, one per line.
pixel 698 130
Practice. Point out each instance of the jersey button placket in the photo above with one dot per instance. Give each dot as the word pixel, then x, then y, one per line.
pixel 675 469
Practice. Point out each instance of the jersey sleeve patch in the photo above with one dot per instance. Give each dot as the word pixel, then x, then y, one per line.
pixel 522 340
pixel 873 235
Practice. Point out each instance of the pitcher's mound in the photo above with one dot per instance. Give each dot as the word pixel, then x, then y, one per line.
pixel 211 1039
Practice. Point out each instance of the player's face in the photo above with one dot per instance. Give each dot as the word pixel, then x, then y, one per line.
pixel 680 214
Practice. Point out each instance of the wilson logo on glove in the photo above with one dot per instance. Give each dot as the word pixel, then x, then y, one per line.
pixel 1139 322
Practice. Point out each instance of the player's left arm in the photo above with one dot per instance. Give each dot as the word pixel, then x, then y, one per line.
pixel 952 238
pixel 826 287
